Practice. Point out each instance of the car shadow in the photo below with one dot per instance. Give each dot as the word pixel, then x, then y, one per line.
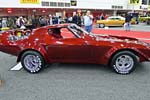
pixel 77 67
pixel 141 68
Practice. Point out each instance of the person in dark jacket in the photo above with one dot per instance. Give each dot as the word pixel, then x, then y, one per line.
pixel 79 20
pixel 128 18
pixel 75 18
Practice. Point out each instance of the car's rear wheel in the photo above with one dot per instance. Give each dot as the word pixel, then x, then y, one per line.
pixel 124 62
pixel 32 61
pixel 101 25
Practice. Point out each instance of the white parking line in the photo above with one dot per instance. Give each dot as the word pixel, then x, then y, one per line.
pixel 17 67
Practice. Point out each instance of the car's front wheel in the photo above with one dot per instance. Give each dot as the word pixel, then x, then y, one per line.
pixel 101 25
pixel 32 61
pixel 124 62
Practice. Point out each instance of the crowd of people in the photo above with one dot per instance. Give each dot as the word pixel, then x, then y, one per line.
pixel 33 21
pixel 85 20
pixel 29 22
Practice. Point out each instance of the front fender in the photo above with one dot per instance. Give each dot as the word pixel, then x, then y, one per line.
pixel 108 56
pixel 40 50
pixel 105 59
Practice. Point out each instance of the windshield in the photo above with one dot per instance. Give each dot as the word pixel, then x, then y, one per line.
pixel 78 31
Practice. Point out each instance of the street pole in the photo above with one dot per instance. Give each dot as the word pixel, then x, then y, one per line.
pixel 148 2
pixel 133 8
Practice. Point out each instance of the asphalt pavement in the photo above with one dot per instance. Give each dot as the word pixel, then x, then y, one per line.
pixel 74 81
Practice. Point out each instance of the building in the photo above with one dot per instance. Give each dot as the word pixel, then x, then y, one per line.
pixel 63 7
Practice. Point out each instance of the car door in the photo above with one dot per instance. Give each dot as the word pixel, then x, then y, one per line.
pixel 111 22
pixel 119 22
pixel 69 50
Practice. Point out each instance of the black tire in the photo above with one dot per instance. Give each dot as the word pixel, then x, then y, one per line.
pixel 123 24
pixel 124 62
pixel 148 21
pixel 32 61
pixel 101 25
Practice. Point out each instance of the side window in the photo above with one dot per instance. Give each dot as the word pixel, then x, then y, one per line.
pixel 111 19
pixel 118 19
pixel 66 33
pixel 55 32
pixel 114 18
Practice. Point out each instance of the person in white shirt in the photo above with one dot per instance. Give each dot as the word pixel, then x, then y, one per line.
pixel 88 21
pixel 4 22
pixel 50 20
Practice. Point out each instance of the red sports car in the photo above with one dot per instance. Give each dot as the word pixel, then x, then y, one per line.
pixel 69 43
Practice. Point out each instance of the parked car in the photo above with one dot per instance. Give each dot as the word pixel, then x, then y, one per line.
pixel 143 18
pixel 113 21
pixel 69 43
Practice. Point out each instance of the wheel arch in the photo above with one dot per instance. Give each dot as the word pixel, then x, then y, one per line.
pixel 139 56
pixel 42 54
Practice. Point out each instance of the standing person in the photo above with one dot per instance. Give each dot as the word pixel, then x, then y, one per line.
pixel 0 22
pixel 4 22
pixel 102 17
pixel 55 19
pixel 11 23
pixel 79 19
pixel 75 18
pixel 88 21
pixel 17 22
pixel 82 20
pixel 42 21
pixel 128 18
pixel 33 21
pixel 20 22
pixel 69 19
pixel 50 20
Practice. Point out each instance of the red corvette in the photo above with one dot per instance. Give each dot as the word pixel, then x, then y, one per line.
pixel 69 43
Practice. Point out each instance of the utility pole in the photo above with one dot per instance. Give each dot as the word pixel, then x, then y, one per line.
pixel 148 2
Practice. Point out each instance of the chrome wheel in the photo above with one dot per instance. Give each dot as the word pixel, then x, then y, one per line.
pixel 124 63
pixel 32 63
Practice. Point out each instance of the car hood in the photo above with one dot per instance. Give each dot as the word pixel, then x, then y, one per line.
pixel 113 39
